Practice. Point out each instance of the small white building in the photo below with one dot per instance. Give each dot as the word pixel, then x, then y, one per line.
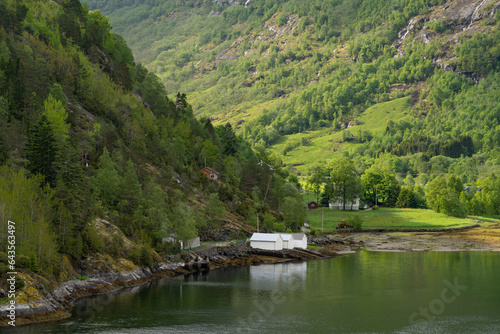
pixel 288 242
pixel 190 243
pixel 339 205
pixel 267 241
pixel 299 240
pixel 295 240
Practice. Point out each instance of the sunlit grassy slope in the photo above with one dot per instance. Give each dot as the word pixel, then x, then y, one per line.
pixel 325 143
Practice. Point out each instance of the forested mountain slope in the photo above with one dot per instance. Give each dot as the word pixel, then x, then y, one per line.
pixel 87 133
pixel 287 73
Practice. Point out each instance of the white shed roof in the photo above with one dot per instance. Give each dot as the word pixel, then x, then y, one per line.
pixel 296 236
pixel 265 237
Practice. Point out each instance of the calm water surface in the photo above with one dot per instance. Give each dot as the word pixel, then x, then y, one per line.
pixel 367 292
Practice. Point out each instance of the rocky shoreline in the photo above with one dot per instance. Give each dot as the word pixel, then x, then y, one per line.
pixel 57 304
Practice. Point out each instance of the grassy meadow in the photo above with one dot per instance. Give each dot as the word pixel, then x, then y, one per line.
pixel 391 218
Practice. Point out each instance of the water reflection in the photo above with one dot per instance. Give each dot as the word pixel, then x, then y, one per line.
pixel 278 276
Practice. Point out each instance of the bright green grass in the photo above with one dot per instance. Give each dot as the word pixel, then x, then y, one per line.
pixel 388 219
pixel 325 144
pixel 309 197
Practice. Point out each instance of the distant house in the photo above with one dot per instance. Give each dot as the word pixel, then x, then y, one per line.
pixel 210 173
pixel 468 189
pixel 85 160
pixel 190 243
pixel 312 205
pixel 339 205
pixel 266 241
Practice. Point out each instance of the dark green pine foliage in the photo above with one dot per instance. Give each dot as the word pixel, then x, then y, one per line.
pixel 406 199
pixel 34 264
pixel 181 102
pixel 131 191
pixel 11 18
pixel 42 150
pixel 229 141
pixel 210 128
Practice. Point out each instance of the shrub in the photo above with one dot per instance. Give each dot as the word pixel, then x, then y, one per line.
pixel 19 283
pixel 23 261
pixel 4 258
pixel 323 123
pixel 94 240
pixel 34 264
pixel 135 256
pixel 375 207
pixel 279 227
pixel 355 221
pixel 3 268
pixel 146 257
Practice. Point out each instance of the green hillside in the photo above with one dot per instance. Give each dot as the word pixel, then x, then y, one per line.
pixel 281 71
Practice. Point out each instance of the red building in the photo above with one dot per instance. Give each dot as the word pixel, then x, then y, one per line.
pixel 210 173
pixel 312 205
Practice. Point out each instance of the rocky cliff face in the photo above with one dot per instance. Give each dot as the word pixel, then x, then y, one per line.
pixel 448 23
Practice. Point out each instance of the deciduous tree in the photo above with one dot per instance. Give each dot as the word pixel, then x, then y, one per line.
pixel 347 184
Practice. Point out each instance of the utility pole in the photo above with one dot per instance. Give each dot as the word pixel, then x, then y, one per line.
pixel 257 222
pixel 376 199
pixel 322 219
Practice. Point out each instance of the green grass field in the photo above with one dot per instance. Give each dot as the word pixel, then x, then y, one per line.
pixel 390 219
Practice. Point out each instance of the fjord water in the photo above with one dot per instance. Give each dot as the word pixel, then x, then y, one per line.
pixel 366 292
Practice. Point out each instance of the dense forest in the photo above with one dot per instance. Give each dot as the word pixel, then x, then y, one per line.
pixel 86 132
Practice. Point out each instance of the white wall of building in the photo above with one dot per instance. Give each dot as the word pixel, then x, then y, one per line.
pixel 192 243
pixel 268 245
pixel 300 242
pixel 340 206
pixel 288 241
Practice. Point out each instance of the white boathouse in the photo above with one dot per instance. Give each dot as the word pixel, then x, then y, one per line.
pixel 266 241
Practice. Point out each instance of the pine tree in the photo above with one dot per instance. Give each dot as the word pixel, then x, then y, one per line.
pixel 42 150
pixel 406 199
pixel 131 191
pixel 34 264
pixel 107 180
pixel 230 141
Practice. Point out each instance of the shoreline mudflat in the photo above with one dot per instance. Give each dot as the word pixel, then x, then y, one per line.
pixel 477 238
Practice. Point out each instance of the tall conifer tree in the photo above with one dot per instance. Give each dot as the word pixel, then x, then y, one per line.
pixel 42 150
